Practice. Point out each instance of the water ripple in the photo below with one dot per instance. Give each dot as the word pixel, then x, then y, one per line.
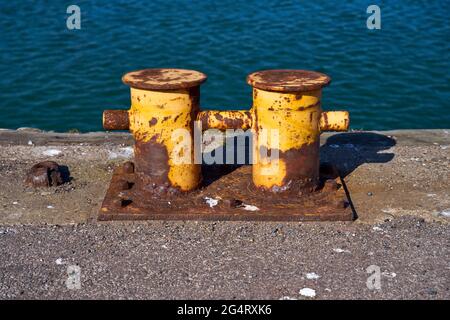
pixel 58 79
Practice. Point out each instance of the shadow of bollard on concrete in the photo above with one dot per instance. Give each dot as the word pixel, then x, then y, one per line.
pixel 348 151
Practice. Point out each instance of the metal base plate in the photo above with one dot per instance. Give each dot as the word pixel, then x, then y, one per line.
pixel 232 187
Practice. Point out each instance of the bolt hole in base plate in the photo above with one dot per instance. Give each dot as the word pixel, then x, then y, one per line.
pixel 231 196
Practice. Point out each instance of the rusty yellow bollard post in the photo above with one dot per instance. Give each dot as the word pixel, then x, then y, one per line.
pixel 162 101
pixel 287 123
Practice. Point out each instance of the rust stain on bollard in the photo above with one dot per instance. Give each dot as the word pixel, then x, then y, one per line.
pixel 288 81
pixel 223 120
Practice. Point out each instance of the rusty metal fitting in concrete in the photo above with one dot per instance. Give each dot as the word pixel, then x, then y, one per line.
pixel 45 174
pixel 287 122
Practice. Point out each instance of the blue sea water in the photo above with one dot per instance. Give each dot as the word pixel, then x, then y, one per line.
pixel 58 79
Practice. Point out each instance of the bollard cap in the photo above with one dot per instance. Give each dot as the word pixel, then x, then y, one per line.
pixel 288 80
pixel 164 79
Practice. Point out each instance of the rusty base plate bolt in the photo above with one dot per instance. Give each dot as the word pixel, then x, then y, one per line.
pixel 128 167
pixel 44 174
pixel 232 203
pixel 330 185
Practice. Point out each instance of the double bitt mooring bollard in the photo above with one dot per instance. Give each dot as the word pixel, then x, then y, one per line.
pixel 286 121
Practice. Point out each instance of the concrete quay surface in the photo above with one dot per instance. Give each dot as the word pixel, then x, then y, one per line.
pixel 399 183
